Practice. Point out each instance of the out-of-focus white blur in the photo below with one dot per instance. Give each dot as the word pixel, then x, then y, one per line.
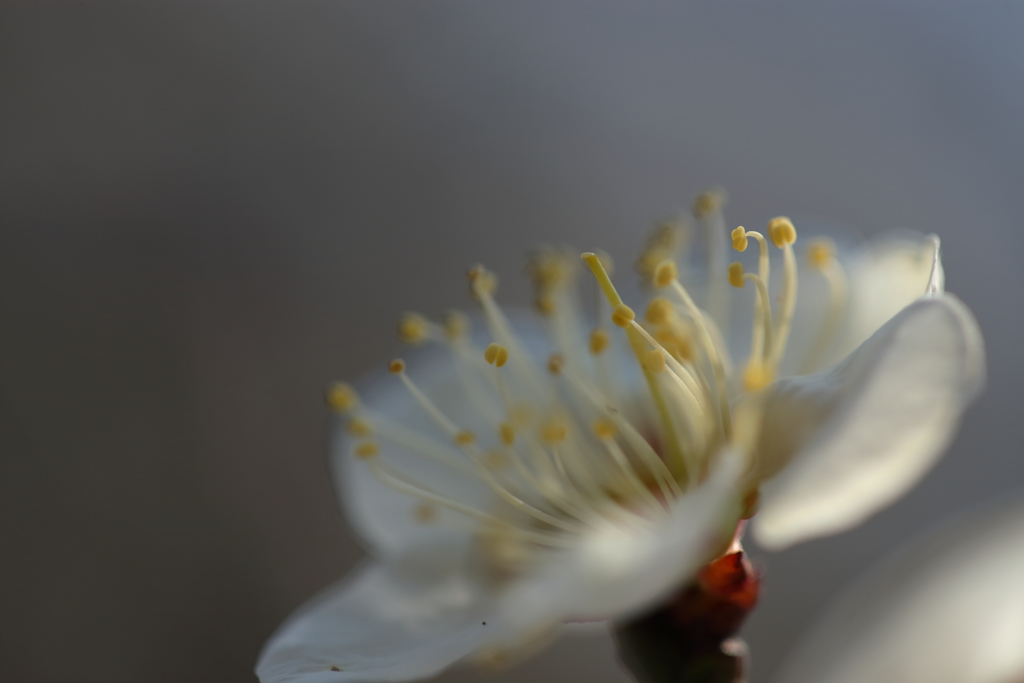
pixel 947 609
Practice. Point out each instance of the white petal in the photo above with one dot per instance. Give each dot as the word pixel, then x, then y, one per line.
pixel 867 430
pixel 890 273
pixel 616 571
pixel 949 611
pixel 386 518
pixel 401 620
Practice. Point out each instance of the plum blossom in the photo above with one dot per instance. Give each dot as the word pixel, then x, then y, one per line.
pixel 513 483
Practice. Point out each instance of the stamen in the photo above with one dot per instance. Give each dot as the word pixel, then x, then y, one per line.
pixel 413 329
pixel 637 344
pixel 659 311
pixel 398 367
pixel 623 315
pixel 455 325
pixel 739 239
pixel 506 433
pixel 783 235
pixel 736 275
pixel 389 477
pixel 761 338
pixel 482 282
pixel 664 242
pixel 496 355
pixel 821 257
pixel 482 285
pixel 465 440
pixel 599 341
pixel 605 431
pixel 341 397
pixel 710 350
pixel 651 460
pixel 739 242
pixel 367 449
pixel 757 375
pixel 359 427
pixel 665 274
pixel 420 444
pixel 679 372
pixel 555 364
pixel 707 209
pixel 781 232
pixel 553 431
pixel 656 360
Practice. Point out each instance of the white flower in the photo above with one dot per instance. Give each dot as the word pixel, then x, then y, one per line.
pixel 949 609
pixel 504 491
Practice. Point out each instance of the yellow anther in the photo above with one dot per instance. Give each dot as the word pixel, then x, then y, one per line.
pixel 367 450
pixel 341 397
pixel 396 366
pixel 545 304
pixel 739 239
pixel 736 274
pixel 679 345
pixel 553 431
pixel 684 347
pixel 496 354
pixel 550 268
pixel 781 231
pixel 664 242
pixel 708 202
pixel 669 236
pixel 757 376
pixel 359 427
pixel 555 363
pixel 623 315
pixel 424 513
pixel 455 325
pixel 464 438
pixel 648 261
pixel 604 428
pixel 659 311
pixel 506 433
pixel 413 328
pixel 599 341
pixel 656 360
pixel 665 273
pixel 482 282
pixel 821 251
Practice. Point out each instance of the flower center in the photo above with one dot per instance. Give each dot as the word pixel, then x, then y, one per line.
pixel 568 445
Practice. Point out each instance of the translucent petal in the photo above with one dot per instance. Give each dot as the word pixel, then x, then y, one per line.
pixel 383 517
pixel 888 274
pixel 615 570
pixel 951 610
pixel 404 619
pixel 855 438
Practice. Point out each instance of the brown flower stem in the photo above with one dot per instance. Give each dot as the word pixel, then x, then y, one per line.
pixel 690 638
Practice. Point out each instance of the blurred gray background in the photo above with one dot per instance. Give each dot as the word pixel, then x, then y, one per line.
pixel 209 210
